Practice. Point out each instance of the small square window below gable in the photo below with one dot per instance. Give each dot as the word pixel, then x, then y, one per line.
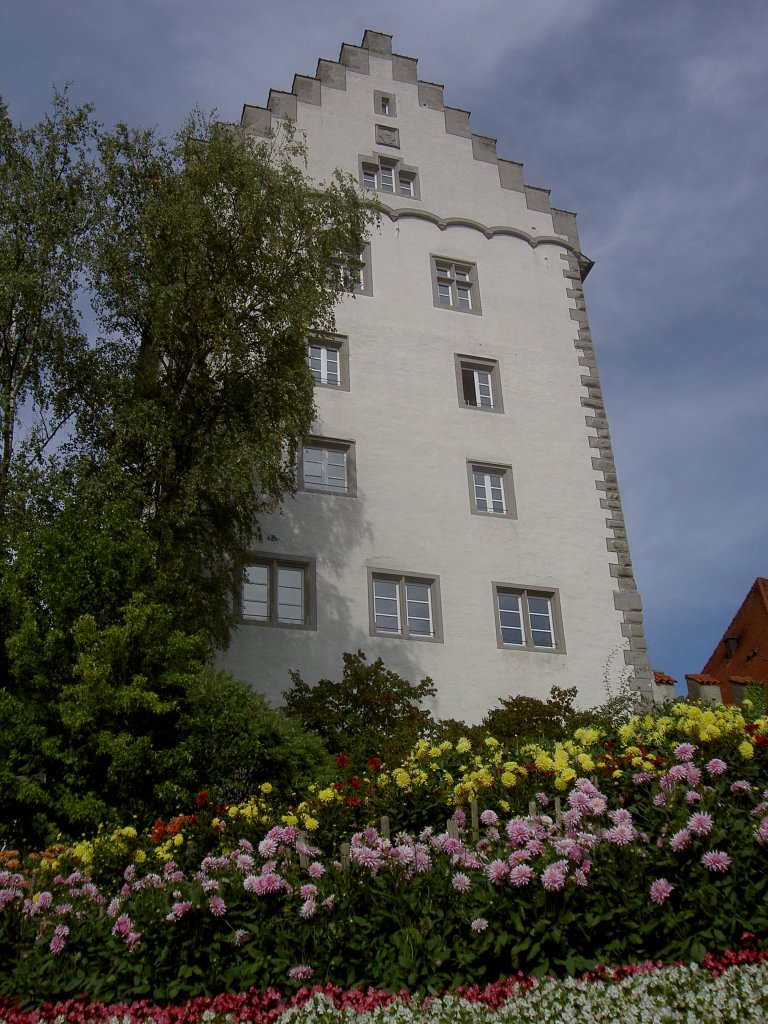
pixel 328 359
pixel 491 490
pixel 328 466
pixel 405 606
pixel 454 285
pixel 528 619
pixel 478 383
pixel 385 104
pixel 278 592
pixel 390 177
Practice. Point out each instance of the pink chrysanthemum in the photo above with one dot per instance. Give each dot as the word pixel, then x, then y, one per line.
pixel 300 973
pixel 217 906
pixel 308 908
pixel 518 831
pixel 660 891
pixel 496 871
pixel 659 800
pixel 716 861
pixel 761 832
pixel 307 890
pixel 521 874
pixel 316 870
pixel 716 766
pixel 461 882
pixel 740 786
pixel 684 751
pixel 692 797
pixel 59 939
pixel 541 798
pixel 680 840
pixel 700 823
pixel 489 817
pixel 479 924
pixel 620 835
pixel 553 877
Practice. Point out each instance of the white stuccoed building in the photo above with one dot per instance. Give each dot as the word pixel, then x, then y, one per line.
pixel 459 513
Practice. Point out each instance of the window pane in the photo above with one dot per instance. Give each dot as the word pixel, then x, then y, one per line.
pixel 406 185
pixel 510 619
pixel 497 493
pixel 462 273
pixel 541 622
pixel 385 104
pixel 468 385
pixel 419 608
pixel 331 374
pixel 483 385
pixel 387 176
pixel 386 606
pixel 463 296
pixel 290 595
pixel 444 293
pixel 312 467
pixel 481 501
pixel 316 362
pixel 335 477
pixel 369 177
pixel 489 492
pixel 256 593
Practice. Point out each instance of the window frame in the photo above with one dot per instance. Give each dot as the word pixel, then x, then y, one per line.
pixel 464 362
pixel 507 485
pixel 339 343
pixel 379 101
pixel 524 594
pixel 370 170
pixel 330 444
pixel 402 580
pixel 454 283
pixel 274 563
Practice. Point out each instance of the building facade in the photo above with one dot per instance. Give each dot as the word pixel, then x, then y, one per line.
pixel 458 511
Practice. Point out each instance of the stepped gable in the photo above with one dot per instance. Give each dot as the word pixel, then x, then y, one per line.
pixel 333 75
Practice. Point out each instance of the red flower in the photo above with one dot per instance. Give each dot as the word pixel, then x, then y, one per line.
pixel 761 741
pixel 202 798
pixel 158 831
pixel 354 782
pixel 373 764
pixel 338 786
pixel 342 760
pixel 750 727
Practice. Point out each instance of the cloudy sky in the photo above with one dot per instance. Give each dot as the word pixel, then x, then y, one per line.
pixel 649 119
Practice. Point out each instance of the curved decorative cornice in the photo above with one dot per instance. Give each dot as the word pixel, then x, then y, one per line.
pixel 490 231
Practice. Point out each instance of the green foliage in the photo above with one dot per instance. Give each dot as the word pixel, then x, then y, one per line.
pixel 208 260
pixel 372 711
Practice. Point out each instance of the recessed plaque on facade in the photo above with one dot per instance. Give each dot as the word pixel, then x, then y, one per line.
pixel 387 136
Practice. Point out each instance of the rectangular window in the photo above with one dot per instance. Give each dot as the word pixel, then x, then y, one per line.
pixel 355 272
pixel 454 285
pixel 528 619
pixel 404 606
pixel 478 383
pixel 491 491
pixel 278 592
pixel 388 175
pixel 328 466
pixel 328 360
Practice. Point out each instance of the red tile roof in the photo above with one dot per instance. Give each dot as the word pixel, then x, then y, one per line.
pixel 743 651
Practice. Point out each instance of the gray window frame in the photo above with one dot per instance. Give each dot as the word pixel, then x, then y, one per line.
pixel 330 444
pixel 374 163
pixel 378 104
pixel 524 593
pixel 491 366
pixel 507 483
pixel 274 562
pixel 401 579
pixel 451 261
pixel 340 342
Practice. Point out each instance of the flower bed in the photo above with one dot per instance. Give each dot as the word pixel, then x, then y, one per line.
pixel 660 854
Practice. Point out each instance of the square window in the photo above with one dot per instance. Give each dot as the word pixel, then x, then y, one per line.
pixel 404 606
pixel 355 271
pixel 277 591
pixel 454 285
pixel 478 384
pixel 328 359
pixel 328 466
pixel 528 619
pixel 491 490
pixel 385 103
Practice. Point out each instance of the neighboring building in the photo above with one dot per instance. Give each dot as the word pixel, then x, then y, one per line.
pixel 741 657
pixel 458 512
